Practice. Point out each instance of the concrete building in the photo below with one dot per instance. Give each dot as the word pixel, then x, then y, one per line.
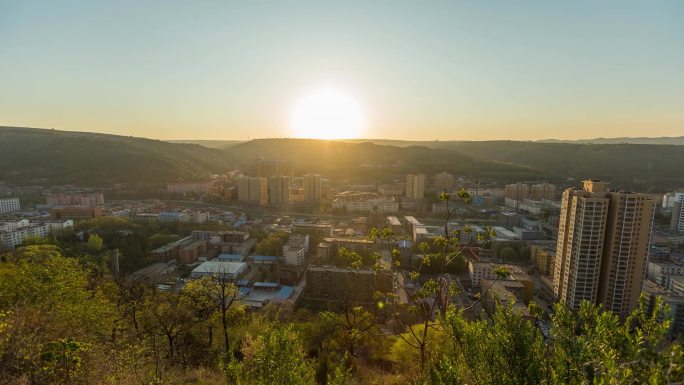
pixel 231 271
pixel 75 212
pixel 543 191
pixel 312 187
pixel 251 189
pixel 80 199
pixel 444 181
pixel 415 186
pixel 677 221
pixel 9 205
pixel 660 272
pixel 186 188
pixel 172 216
pixel 603 241
pixel 296 249
pixel 335 284
pixel 516 191
pixel 279 190
pixel 382 205
pixel 675 301
pixel 542 258
pixel 12 234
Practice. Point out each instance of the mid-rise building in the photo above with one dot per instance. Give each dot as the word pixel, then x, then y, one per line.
pixel 602 247
pixel 516 191
pixel 75 212
pixel 444 181
pixel 677 222
pixel 9 205
pixel 186 188
pixel 279 190
pixel 80 199
pixel 543 191
pixel 295 250
pixel 415 186
pixel 312 187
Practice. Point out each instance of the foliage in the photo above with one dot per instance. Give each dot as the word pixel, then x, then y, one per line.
pixel 274 356
pixel 272 244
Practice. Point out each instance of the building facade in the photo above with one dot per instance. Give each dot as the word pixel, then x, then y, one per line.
pixel 444 181
pixel 9 205
pixel 415 186
pixel 602 246
pixel 312 187
pixel 279 190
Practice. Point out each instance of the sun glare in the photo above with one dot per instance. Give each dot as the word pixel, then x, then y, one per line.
pixel 327 113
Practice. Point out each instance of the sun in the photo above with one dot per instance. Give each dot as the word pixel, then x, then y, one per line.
pixel 327 113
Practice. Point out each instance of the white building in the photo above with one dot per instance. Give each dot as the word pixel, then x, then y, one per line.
pixel 295 250
pixel 230 270
pixel 12 234
pixel 9 205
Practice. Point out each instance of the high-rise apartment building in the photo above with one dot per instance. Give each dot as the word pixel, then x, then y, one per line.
pixel 312 187
pixel 444 181
pixel 415 186
pixel 603 241
pixel 252 189
pixel 543 191
pixel 278 190
pixel 9 205
pixel 517 191
pixel 677 221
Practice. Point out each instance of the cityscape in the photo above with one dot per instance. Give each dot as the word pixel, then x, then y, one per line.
pixel 165 220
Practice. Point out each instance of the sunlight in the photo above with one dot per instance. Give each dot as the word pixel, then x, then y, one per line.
pixel 327 113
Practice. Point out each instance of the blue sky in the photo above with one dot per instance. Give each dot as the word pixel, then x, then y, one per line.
pixel 419 70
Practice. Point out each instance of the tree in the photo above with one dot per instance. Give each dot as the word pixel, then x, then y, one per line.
pixel 423 303
pixel 219 290
pixel 274 356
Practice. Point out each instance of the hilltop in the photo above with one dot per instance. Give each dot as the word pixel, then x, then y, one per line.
pixel 36 156
pixel 29 155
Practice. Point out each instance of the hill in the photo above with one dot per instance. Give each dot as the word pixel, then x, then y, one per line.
pixel 40 156
pixel 627 166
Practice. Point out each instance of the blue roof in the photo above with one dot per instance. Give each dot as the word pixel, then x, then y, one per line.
pixel 231 257
pixel 285 292
pixel 243 282
pixel 265 258
pixel 266 284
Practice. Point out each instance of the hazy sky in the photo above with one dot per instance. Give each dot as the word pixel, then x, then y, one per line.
pixel 418 69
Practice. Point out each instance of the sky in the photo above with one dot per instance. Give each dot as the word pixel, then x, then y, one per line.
pixel 429 70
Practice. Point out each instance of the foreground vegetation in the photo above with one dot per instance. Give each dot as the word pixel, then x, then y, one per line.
pixel 62 323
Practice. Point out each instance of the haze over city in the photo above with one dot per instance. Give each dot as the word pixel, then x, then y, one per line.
pixel 385 69
pixel 380 192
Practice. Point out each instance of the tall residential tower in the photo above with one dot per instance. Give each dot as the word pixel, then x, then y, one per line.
pixel 603 241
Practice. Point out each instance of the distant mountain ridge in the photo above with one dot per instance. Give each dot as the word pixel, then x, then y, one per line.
pixel 669 140
pixel 44 156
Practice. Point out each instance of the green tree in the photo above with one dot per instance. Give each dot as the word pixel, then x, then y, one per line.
pixel 274 356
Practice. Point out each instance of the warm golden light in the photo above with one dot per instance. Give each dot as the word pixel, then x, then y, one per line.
pixel 327 113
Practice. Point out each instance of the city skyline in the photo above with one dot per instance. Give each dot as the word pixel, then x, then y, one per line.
pixel 449 71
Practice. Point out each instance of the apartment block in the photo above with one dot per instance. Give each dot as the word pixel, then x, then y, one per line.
pixel 415 186
pixel 312 187
pixel 9 205
pixel 602 247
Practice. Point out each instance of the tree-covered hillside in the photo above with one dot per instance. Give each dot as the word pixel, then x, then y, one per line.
pixel 39 156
